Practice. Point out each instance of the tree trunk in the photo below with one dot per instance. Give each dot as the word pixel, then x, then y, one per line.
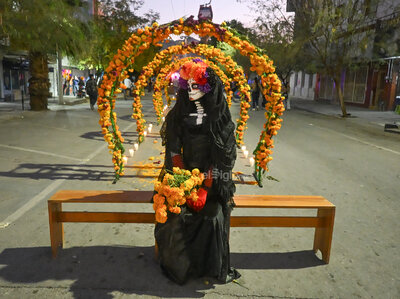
pixel 39 83
pixel 340 95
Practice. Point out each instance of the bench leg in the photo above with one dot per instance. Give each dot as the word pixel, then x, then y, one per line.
pixel 56 228
pixel 323 233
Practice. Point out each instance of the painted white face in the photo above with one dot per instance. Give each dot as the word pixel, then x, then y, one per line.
pixel 194 92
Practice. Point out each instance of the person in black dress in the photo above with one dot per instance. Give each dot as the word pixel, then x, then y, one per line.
pixel 199 133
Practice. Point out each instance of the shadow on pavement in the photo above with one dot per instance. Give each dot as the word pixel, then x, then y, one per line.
pixel 130 270
pixel 98 136
pixel 67 172
pixel 276 260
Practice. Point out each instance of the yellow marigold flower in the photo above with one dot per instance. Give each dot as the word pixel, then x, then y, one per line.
pixel 182 201
pixel 192 182
pixel 157 185
pixel 193 196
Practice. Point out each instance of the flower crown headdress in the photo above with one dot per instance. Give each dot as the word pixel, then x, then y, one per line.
pixel 197 70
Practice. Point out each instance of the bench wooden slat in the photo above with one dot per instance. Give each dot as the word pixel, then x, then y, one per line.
pixel 281 201
pixel 274 221
pixel 106 217
pixel 91 196
pixel 236 221
pixel 242 201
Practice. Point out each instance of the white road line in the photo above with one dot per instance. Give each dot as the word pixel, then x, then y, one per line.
pixel 361 141
pixel 50 188
pixel 39 152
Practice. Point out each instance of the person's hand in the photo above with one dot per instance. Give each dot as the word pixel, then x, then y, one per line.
pixel 200 202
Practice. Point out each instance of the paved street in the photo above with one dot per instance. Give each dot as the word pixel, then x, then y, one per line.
pixel 352 162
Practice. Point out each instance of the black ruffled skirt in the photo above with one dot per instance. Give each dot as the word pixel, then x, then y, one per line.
pixel 193 245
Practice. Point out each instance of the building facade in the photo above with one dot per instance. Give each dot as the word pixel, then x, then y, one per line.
pixel 374 83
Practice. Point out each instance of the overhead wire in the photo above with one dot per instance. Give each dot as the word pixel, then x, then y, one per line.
pixel 173 10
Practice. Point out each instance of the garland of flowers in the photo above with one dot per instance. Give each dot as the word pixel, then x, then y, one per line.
pixel 274 109
pixel 142 39
pixel 212 53
pixel 166 55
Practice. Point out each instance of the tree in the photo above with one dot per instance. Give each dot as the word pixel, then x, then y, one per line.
pixel 115 22
pixel 245 33
pixel 271 33
pixel 42 28
pixel 275 34
pixel 333 35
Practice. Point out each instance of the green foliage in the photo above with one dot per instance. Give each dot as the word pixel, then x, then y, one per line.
pixel 110 28
pixel 43 26
pixel 328 36
pixel 334 36
pixel 274 33
pixel 245 33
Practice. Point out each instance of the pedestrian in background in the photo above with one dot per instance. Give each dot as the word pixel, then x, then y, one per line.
pixel 127 91
pixel 149 85
pixel 66 85
pixel 91 89
pixel 81 87
pixel 255 93
pixel 75 85
pixel 285 93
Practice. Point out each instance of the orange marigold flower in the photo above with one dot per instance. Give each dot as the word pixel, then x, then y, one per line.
pixel 161 216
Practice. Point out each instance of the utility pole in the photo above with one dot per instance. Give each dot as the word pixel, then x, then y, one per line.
pixel 59 78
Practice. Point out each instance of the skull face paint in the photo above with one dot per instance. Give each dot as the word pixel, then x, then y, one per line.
pixel 194 92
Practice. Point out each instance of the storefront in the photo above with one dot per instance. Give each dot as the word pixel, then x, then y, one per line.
pixel 15 75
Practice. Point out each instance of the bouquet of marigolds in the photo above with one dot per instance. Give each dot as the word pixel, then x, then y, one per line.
pixel 173 191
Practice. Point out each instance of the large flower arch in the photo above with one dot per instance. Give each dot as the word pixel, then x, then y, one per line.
pixel 141 40
pixel 210 52
pixel 162 60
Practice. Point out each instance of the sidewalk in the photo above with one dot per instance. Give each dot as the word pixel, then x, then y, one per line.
pixel 52 103
pixel 363 114
pixel 321 107
pixel 11 110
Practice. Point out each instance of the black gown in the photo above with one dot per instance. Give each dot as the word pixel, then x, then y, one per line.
pixel 196 244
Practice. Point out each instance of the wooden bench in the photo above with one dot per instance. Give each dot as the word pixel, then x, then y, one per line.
pixel 323 222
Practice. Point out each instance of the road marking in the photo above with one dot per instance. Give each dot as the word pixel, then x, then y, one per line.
pixel 361 141
pixel 50 188
pixel 30 204
pixel 39 152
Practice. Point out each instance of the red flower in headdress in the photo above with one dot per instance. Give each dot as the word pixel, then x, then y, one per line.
pixel 195 70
